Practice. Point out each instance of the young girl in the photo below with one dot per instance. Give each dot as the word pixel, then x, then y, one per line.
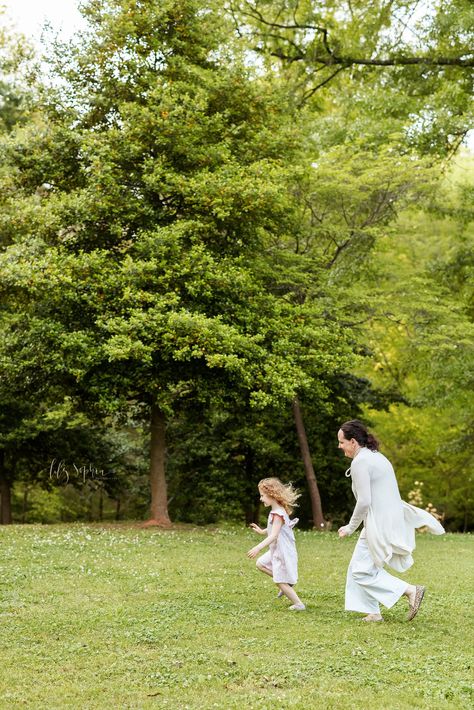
pixel 281 560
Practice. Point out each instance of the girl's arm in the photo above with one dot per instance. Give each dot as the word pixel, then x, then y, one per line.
pixel 276 527
pixel 258 529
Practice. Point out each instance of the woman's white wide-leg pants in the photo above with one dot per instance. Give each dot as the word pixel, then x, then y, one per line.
pixel 368 585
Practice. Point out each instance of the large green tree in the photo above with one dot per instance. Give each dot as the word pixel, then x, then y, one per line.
pixel 189 233
pixel 143 208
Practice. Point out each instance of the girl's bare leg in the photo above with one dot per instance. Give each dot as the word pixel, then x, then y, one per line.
pixel 286 589
pixel 262 568
pixel 289 592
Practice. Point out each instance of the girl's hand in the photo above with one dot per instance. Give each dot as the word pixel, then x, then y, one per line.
pixel 253 552
pixel 257 528
pixel 342 531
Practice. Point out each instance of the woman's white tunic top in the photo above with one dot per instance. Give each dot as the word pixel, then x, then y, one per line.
pixel 389 522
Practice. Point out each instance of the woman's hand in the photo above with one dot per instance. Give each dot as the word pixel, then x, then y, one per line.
pixel 343 532
pixel 257 528
pixel 253 552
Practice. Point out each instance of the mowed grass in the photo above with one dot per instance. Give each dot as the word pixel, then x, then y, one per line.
pixel 125 617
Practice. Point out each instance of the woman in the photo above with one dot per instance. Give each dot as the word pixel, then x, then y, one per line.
pixel 388 536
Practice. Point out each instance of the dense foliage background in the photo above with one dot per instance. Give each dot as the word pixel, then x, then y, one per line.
pixel 215 215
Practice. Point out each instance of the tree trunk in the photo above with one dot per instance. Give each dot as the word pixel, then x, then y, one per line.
pixel 90 507
pixel 25 504
pixel 252 502
pixel 5 493
pixel 318 518
pixel 117 508
pixel 101 504
pixel 159 496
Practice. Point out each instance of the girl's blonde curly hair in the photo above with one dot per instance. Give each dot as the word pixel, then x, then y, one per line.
pixel 283 493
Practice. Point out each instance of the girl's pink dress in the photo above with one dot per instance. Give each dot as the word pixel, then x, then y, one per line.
pixel 281 558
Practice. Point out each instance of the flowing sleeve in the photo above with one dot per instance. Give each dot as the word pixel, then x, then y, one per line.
pixel 280 512
pixel 418 518
pixel 361 480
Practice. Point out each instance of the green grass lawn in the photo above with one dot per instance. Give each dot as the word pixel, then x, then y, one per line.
pixel 125 617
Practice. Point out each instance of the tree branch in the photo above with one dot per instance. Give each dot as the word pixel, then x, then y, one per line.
pixel 329 58
pixel 347 61
pixel 312 91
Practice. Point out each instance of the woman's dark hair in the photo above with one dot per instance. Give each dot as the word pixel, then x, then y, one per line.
pixel 356 430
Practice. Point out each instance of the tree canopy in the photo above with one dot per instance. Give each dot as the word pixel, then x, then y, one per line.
pixel 206 231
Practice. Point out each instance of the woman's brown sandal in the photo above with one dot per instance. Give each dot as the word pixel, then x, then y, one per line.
pixel 419 594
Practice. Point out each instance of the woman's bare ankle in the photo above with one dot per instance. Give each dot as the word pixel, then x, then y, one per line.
pixel 373 617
